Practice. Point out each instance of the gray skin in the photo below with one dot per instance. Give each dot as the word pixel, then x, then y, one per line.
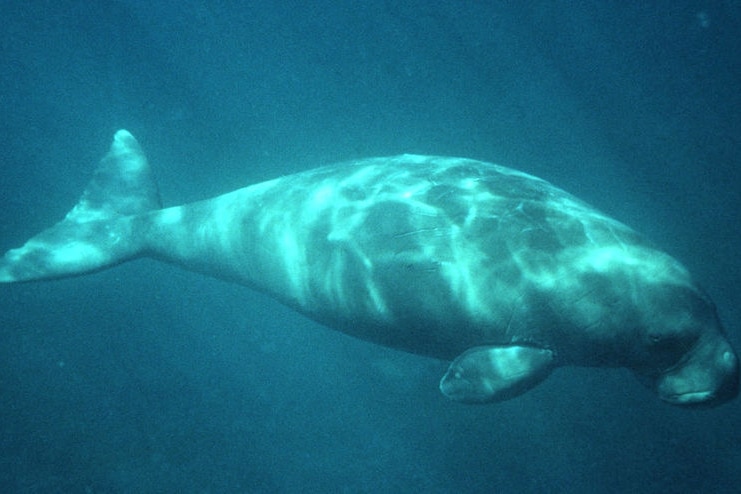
pixel 496 270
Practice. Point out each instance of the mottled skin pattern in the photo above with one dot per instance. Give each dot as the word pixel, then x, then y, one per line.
pixel 427 254
pixel 457 252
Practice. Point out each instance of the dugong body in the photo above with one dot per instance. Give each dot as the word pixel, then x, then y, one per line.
pixel 496 270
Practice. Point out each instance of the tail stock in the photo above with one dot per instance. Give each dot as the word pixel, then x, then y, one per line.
pixel 97 232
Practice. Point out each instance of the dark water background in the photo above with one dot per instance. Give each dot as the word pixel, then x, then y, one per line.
pixel 145 378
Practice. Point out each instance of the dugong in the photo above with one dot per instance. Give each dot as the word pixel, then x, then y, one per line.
pixel 493 269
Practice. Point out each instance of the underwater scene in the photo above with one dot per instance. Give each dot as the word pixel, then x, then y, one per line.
pixel 418 323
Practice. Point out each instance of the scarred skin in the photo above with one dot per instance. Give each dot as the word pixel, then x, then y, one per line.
pixel 430 255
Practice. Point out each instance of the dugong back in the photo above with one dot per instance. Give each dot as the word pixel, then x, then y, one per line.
pixel 432 255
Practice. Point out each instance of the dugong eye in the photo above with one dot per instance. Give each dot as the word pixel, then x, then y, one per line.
pixel 665 350
pixel 673 339
pixel 655 338
pixel 668 345
pixel 660 341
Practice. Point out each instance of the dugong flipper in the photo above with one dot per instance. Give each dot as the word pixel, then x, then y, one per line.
pixel 495 373
pixel 495 270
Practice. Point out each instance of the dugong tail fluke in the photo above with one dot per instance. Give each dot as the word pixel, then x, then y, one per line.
pixel 96 233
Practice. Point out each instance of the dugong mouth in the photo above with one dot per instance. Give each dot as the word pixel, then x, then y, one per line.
pixel 699 384
pixel 705 398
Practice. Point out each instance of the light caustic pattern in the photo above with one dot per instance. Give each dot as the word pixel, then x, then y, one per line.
pixel 456 239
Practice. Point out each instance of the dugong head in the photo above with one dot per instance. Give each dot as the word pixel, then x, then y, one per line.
pixel 688 361
pixel 707 375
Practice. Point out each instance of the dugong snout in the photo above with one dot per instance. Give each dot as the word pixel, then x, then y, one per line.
pixel 708 376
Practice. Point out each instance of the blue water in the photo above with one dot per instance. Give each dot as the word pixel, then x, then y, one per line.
pixel 145 378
